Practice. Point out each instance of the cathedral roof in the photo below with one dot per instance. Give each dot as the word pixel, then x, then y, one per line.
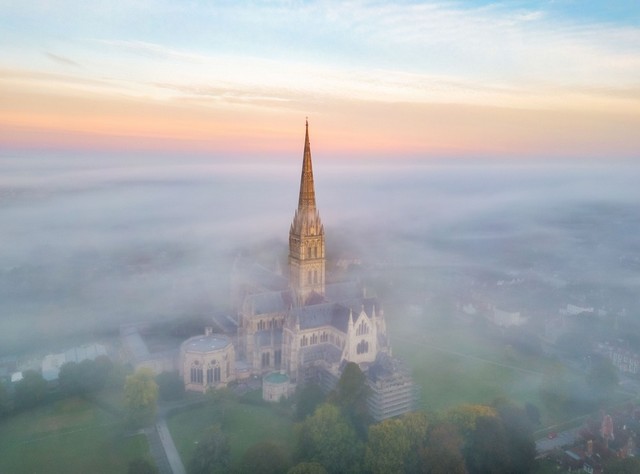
pixel 269 302
pixel 328 314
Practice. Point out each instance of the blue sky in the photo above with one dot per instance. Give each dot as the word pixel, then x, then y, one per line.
pixel 269 64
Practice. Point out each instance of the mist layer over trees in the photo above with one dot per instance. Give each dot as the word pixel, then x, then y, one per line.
pixel 92 242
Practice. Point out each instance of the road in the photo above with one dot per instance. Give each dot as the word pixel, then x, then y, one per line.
pixel 563 438
pixel 169 447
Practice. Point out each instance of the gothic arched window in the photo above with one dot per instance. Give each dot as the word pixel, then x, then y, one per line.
pixel 362 347
pixel 196 373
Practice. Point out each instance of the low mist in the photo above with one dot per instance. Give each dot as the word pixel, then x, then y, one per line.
pixel 92 242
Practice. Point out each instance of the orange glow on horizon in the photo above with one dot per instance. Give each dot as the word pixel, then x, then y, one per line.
pixel 34 119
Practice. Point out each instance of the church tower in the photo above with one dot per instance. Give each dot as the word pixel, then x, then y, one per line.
pixel 306 236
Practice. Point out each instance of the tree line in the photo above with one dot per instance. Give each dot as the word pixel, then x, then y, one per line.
pixel 336 434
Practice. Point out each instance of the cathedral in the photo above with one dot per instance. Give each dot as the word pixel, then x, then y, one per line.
pixel 295 325
pixel 306 329
pixel 301 328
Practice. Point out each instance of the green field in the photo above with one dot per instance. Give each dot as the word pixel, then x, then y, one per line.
pixel 67 436
pixel 454 365
pixel 244 424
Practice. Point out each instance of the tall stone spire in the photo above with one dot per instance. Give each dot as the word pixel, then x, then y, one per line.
pixel 307 199
pixel 306 236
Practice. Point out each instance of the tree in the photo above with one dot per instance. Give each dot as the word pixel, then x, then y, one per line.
pixel 351 396
pixel 623 466
pixel 307 468
pixel 521 446
pixel 416 424
pixel 31 390
pixel 554 388
pixel 326 438
pixel 265 458
pixel 212 454
pixel 142 466
pixel 464 417
pixel 442 453
pixel 486 449
pixel 102 367
pixel 85 377
pixel 602 377
pixel 140 397
pixel 69 379
pixel 170 386
pixel 387 447
pixel 307 400
pixel 533 413
pixel 117 375
pixel 5 401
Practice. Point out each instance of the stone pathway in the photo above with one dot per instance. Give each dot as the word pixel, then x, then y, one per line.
pixel 156 449
pixel 170 450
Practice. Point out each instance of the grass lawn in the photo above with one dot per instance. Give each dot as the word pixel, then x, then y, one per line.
pixel 454 365
pixel 244 424
pixel 67 436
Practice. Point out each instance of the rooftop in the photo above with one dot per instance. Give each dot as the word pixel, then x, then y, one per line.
pixel 276 377
pixel 206 343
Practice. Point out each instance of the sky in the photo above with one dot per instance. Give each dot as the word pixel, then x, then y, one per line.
pixel 548 80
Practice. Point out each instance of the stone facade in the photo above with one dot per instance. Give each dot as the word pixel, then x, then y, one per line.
pixel 207 361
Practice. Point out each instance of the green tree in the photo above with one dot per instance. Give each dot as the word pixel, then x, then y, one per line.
pixel 416 425
pixel 622 466
pixel 486 449
pixel 326 438
pixel 5 401
pixel 464 417
pixel 265 458
pixel 69 379
pixel 212 454
pixel 554 388
pixel 307 400
pixel 387 447
pixel 140 397
pixel 101 367
pixel 85 377
pixel 351 396
pixel 602 377
pixel 533 413
pixel 117 375
pixel 521 446
pixel 307 468
pixel 31 390
pixel 170 386
pixel 442 453
pixel 141 466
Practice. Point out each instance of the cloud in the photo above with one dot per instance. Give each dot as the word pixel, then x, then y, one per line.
pixel 61 59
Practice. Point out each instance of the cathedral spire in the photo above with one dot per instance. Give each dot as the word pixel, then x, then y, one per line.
pixel 307 199
pixel 306 236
